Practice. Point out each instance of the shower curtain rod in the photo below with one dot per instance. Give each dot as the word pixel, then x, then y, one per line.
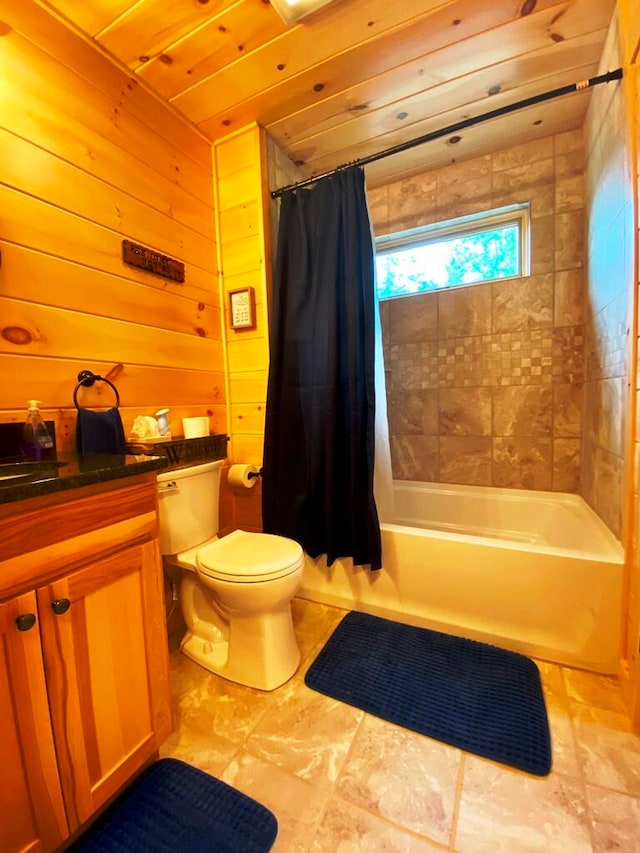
pixel 460 125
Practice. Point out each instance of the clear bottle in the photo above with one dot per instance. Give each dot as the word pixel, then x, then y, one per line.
pixel 36 441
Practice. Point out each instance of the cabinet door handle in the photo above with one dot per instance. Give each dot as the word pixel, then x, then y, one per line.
pixel 26 621
pixel 60 606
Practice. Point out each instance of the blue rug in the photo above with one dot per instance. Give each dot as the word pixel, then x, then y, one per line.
pixel 477 697
pixel 175 808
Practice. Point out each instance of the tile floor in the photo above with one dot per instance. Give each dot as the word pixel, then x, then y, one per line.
pixel 342 781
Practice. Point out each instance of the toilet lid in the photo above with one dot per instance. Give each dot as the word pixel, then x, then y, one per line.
pixel 244 557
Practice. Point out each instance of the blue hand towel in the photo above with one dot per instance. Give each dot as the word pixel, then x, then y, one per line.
pixel 100 432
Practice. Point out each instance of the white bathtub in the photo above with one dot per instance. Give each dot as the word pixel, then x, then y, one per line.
pixel 535 572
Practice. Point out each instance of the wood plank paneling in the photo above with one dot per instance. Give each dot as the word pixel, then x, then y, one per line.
pixel 54 332
pixel 243 240
pixel 92 291
pixel 91 158
pixel 125 92
pixel 53 382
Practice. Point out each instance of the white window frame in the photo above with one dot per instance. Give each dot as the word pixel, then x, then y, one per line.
pixel 473 223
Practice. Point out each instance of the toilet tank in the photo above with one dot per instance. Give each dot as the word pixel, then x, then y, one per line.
pixel 188 500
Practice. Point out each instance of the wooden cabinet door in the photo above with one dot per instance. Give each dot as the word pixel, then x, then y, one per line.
pixel 32 815
pixel 98 660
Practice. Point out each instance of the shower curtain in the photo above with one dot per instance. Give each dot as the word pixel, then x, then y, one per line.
pixel 320 418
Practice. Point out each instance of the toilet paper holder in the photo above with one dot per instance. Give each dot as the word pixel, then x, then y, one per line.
pixel 252 475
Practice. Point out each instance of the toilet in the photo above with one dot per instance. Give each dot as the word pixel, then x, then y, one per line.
pixel 235 592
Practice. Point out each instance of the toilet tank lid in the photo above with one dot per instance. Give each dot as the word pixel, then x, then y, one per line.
pixel 250 556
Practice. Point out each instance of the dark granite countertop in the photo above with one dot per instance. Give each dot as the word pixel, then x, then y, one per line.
pixel 20 480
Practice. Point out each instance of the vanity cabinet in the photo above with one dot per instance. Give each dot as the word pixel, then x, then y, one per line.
pixel 84 688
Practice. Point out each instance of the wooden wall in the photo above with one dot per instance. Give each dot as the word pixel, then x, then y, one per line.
pixel 629 14
pixel 88 158
pixel 245 261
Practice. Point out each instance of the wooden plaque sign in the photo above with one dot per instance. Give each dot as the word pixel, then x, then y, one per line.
pixel 147 259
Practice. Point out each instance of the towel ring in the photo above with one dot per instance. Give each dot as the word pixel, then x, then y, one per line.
pixel 87 378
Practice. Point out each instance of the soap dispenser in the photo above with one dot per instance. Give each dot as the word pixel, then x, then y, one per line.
pixel 36 441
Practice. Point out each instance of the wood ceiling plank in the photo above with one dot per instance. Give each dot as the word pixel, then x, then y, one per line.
pixel 237 32
pixel 555 117
pixel 149 26
pixel 402 88
pixel 402 49
pixel 90 17
pixel 298 49
pixel 369 145
pixel 467 95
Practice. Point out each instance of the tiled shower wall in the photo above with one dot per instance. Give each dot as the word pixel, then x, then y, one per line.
pixel 485 383
pixel 609 284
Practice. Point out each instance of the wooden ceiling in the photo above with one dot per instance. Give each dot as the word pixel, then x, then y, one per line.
pixel 358 76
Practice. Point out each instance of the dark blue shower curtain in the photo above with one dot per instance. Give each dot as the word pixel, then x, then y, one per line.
pixel 319 433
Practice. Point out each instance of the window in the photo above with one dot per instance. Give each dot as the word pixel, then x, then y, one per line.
pixel 472 249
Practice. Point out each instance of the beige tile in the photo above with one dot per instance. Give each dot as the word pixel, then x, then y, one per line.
pixel 296 804
pixel 411 202
pixel 569 297
pixel 464 411
pixel 566 465
pixel 563 745
pixel 615 819
pixel 414 457
pixel 504 812
pixel 538 173
pixel 205 751
pixel 567 410
pixel 590 688
pixel 459 174
pixel 413 366
pixel 465 459
pixel 608 751
pixel 523 155
pixel 569 141
pixel 522 463
pixel 347 829
pixel 404 777
pixel 213 705
pixel 461 199
pixel 464 311
pixel 305 733
pixel 313 624
pixel 543 230
pixel 413 412
pixel 523 411
pixel 413 318
pixel 569 240
pixel 525 303
pixel 606 495
pixel 569 193
pixel 377 200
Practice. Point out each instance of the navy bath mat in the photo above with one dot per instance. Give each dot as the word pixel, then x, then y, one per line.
pixel 471 695
pixel 175 808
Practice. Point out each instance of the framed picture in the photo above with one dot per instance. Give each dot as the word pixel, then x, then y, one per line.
pixel 242 308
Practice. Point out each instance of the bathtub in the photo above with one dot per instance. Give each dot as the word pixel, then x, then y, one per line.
pixel 535 572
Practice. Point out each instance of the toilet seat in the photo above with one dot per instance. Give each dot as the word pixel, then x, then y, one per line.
pixel 243 557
